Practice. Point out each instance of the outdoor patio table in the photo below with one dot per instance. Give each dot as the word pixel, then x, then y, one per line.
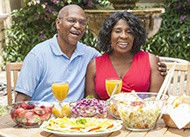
pixel 9 129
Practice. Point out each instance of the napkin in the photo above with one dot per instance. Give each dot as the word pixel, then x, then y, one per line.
pixel 180 115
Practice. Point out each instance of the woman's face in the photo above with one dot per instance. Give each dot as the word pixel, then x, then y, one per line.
pixel 121 37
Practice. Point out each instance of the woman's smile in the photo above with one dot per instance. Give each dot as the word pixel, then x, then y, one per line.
pixel 122 44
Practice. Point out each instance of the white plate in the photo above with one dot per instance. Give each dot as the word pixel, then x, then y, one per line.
pixel 85 134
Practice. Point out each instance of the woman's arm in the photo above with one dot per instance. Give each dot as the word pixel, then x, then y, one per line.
pixel 90 83
pixel 156 78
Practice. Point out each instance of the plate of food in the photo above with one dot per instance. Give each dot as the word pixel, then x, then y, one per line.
pixel 81 126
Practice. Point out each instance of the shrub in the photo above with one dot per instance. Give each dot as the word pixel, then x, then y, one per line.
pixel 31 24
pixel 35 23
pixel 173 37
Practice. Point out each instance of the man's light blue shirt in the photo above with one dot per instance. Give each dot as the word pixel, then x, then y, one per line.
pixel 46 64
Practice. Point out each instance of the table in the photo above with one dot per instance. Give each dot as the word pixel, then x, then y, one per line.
pixel 9 129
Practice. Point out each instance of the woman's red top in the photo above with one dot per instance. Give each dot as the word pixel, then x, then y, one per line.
pixel 137 78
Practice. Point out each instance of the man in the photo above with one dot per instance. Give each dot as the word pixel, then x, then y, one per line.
pixel 61 58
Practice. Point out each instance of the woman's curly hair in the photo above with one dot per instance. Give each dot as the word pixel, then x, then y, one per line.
pixel 137 30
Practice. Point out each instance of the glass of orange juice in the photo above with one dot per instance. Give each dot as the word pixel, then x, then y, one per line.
pixel 111 84
pixel 60 90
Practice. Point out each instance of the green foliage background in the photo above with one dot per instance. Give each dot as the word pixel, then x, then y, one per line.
pixel 35 23
pixel 173 37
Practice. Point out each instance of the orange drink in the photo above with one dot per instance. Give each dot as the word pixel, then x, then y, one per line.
pixel 111 84
pixel 60 90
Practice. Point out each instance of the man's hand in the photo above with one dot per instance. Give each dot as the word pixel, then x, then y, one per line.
pixel 162 68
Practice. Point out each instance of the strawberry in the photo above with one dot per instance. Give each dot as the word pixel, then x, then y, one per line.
pixel 42 106
pixel 48 109
pixel 24 105
pixel 20 112
pixel 30 106
pixel 12 114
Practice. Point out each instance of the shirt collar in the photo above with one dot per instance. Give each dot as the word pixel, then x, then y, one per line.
pixel 57 51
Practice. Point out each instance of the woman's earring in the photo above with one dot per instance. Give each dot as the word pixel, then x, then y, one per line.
pixel 110 47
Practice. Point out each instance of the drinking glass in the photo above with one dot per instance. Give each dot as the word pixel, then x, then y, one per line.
pixel 60 90
pixel 111 84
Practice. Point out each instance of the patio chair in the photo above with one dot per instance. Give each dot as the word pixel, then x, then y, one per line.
pixel 180 83
pixel 170 60
pixel 12 71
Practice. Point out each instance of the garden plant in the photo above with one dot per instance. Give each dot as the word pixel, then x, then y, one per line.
pixel 35 23
pixel 173 37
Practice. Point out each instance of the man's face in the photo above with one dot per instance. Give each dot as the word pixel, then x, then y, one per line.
pixel 71 26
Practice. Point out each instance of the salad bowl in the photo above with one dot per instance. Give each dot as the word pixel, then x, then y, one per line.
pixel 30 113
pixel 140 110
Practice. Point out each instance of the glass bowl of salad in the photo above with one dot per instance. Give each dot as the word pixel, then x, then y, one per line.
pixel 140 110
pixel 112 107
pixel 30 113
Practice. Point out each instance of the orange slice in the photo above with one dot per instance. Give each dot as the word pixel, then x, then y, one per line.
pixel 66 110
pixel 59 112
pixel 56 111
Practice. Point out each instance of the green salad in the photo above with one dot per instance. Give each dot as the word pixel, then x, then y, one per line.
pixel 139 115
pixel 3 110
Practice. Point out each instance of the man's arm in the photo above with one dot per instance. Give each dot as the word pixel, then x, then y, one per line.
pixel 22 97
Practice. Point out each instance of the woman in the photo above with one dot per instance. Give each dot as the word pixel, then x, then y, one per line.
pixel 121 38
